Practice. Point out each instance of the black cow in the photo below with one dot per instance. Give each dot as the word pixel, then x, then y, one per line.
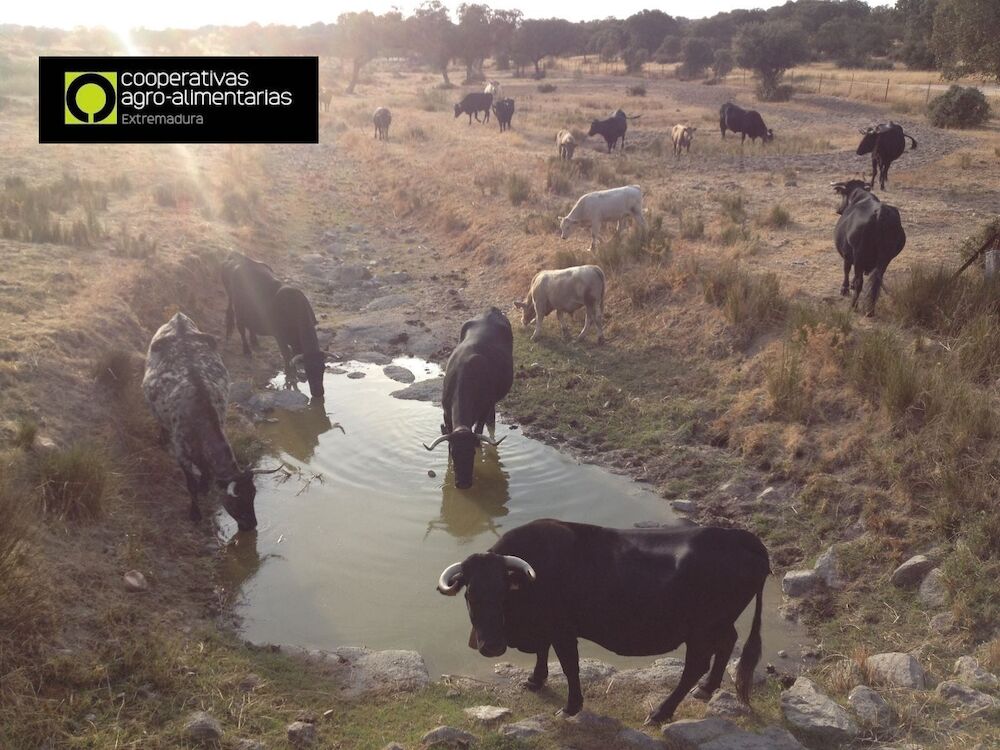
pixel 261 304
pixel 612 128
pixel 479 373
pixel 746 122
pixel 885 143
pixel 504 110
pixel 637 592
pixel 473 104
pixel 869 234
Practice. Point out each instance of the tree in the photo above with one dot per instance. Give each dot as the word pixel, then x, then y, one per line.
pixel 356 40
pixel 432 36
pixel 648 27
pixel 539 38
pixel 503 24
pixel 634 58
pixel 722 63
pixel 966 37
pixel 917 17
pixel 696 55
pixel 474 38
pixel 769 49
pixel 669 50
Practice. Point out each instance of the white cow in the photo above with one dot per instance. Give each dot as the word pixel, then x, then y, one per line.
pixel 565 291
pixel 493 87
pixel 682 136
pixel 594 209
pixel 566 143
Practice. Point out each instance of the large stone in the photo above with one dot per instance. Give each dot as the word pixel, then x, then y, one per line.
pixel 826 568
pixel 897 670
pixel 816 715
pixel 942 622
pixel 726 704
pixel 288 399
pixel 248 744
pixel 526 728
pixel 202 727
pixel 359 671
pixel 633 738
pixel 798 583
pixel 448 737
pixel 487 714
pixel 301 733
pixel 135 581
pixel 662 674
pixel 772 738
pixel 933 591
pixel 424 390
pixel 962 695
pixel 372 357
pixel 912 572
pixel 398 373
pixel 594 722
pixel 968 672
pixel 698 731
pixel 870 708
pixel 759 677
pixel 591 671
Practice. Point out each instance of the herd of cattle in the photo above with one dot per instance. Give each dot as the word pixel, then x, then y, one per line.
pixel 548 583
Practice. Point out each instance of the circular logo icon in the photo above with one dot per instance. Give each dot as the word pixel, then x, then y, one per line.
pixel 91 98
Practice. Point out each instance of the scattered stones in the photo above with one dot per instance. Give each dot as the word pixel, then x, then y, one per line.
pixel 595 722
pixel 450 737
pixel 772 738
pixel 797 583
pixel 591 670
pixel 683 505
pixel 356 375
pixel 487 714
pixel 350 274
pixel 870 708
pixel 933 591
pixel 826 569
pixel 725 704
pixel 424 390
pixel 525 729
pixel 301 733
pixel 962 695
pixel 816 715
pixel 202 727
pixel 633 738
pixel 897 670
pixel 968 672
pixel 912 572
pixel 135 581
pixel 399 374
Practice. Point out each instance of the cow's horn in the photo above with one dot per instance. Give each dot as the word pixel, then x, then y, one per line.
pixel 435 444
pixel 491 441
pixel 451 579
pixel 516 563
pixel 296 360
pixel 267 471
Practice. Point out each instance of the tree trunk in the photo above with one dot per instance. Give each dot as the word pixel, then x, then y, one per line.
pixel 354 75
pixel 444 74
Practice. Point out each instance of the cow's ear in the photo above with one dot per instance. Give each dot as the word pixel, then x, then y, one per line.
pixel 206 338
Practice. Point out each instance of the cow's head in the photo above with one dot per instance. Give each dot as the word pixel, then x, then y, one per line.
pixel 458 110
pixel 313 365
pixel 868 138
pixel 594 125
pixel 566 225
pixel 240 494
pixel 768 136
pixel 527 309
pixel 846 189
pixel 462 446
pixel 488 580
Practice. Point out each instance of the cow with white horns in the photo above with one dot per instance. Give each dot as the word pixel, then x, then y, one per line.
pixel 186 386
pixel 565 291
pixel 601 206
pixel 479 373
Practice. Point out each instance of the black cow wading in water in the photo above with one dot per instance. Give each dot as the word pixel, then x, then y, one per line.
pixel 637 592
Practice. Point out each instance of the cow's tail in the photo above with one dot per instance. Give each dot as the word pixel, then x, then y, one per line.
pixel 913 141
pixel 751 652
pixel 600 273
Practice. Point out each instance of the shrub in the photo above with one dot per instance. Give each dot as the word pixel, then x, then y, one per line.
pixel 959 107
pixel 546 88
pixel 416 133
pixel 634 58
pixel 637 90
pixel 692 227
pixel 722 63
pixel 650 244
pixel 17 595
pixel 749 302
pixel 434 100
pixel 238 208
pixel 116 370
pixel 127 246
pixel 75 483
pixel 731 206
pixel 559 178
pixel 778 217
pixel 25 432
pixel 785 385
pixel 518 188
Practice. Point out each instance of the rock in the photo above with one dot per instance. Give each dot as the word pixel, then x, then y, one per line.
pixel 393 746
pixel 664 673
pixel 356 375
pixel 698 731
pixel 249 683
pixel 373 358
pixel 135 581
pixel 431 473
pixel 772 738
pixel 399 374
pixel 798 583
pixel 759 677
pixel 639 740
pixel 288 399
pixel 425 390
pixel 487 714
pixel 870 708
pixel 448 737
pixel 725 704
pixel 683 505
pixel 397 277
pixel 525 729
pixel 301 733
pixel 247 744
pixel 933 591
pixel 202 727
pixel 595 722
pixel 826 569
pixel 968 672
pixel 962 695
pixel 897 670
pixel 350 274
pixel 591 670
pixel 816 715
pixel 942 623
pixel 388 302
pixel 359 671
pixel 912 572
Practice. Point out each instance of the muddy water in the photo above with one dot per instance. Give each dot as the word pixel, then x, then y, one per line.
pixel 349 549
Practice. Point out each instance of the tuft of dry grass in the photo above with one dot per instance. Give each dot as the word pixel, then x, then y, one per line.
pixel 518 188
pixel 750 302
pixel 75 483
pixel 25 432
pixel 18 597
pixel 116 370
pixel 776 218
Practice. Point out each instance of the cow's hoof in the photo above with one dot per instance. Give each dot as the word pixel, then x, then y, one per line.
pixel 701 694
pixel 532 685
pixel 655 718
pixel 844 291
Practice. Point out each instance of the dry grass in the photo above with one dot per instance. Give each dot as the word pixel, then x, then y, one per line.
pixel 75 483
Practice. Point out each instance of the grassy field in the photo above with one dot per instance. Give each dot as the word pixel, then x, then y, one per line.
pixel 730 356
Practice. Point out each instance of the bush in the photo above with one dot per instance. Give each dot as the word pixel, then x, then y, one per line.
pixel 650 244
pixel 692 227
pixel 75 483
pixel 17 595
pixel 748 301
pixel 696 55
pixel 722 63
pixel 634 58
pixel 778 217
pixel 518 188
pixel 637 90
pixel 959 107
pixel 25 433
pixel 116 370
pixel 769 49
pixel 546 88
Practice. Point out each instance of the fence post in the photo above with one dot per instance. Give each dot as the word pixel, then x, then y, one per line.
pixel 820 87
pixel 744 77
pixel 851 87
pixel 886 97
pixel 928 97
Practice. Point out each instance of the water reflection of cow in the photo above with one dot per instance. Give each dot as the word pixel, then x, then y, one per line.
pixel 240 562
pixel 298 432
pixel 465 514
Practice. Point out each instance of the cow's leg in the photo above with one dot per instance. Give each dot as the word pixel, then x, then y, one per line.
pixel 563 324
pixel 491 422
pixel 743 137
pixel 243 337
pixel 696 662
pixel 844 290
pixel 587 319
pixel 723 650
pixel 541 671
pixel 884 175
pixel 193 484
pixel 874 168
pixel 859 282
pixel 569 660
pixel 594 228
pixel 876 287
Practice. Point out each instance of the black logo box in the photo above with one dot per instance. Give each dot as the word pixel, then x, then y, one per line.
pixel 295 123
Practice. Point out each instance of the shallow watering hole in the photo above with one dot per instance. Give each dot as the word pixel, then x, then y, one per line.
pixel 350 547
